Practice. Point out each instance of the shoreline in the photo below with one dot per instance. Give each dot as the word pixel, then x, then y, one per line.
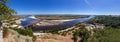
pixel 63 20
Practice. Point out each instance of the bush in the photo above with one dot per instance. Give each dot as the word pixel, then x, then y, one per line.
pixel 26 32
pixel 105 35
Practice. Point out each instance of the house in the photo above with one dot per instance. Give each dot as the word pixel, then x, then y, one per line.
pixel 39 34
pixel 90 26
pixel 99 25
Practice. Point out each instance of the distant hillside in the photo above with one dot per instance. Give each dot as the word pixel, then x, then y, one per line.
pixel 55 17
pixel 113 21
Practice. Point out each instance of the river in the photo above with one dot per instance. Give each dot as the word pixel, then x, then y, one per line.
pixel 63 25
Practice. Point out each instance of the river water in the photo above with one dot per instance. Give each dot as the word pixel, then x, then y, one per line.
pixel 63 25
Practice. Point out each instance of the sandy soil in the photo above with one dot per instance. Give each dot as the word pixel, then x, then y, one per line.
pixel 55 38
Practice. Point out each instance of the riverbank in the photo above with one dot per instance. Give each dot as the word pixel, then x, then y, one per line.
pixel 64 20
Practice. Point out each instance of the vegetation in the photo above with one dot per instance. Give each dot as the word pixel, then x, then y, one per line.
pixel 53 31
pixel 26 32
pixel 111 33
pixel 105 35
pixel 113 21
pixel 82 33
pixel 5 32
pixel 75 36
pixel 5 11
pixel 108 34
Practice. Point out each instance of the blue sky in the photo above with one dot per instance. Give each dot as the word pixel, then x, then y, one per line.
pixel 81 7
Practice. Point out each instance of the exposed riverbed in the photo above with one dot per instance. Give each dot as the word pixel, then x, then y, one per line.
pixel 63 25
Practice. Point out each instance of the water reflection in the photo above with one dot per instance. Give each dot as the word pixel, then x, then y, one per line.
pixel 63 25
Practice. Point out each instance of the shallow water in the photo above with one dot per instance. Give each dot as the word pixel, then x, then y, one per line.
pixel 63 25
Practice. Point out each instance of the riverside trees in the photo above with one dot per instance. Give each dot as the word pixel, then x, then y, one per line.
pixel 108 34
pixel 111 33
pixel 113 21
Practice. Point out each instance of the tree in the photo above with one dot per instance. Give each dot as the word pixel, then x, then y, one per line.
pixel 84 34
pixel 5 11
pixel 75 36
pixel 113 21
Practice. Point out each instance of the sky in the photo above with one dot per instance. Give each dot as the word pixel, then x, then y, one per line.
pixel 77 7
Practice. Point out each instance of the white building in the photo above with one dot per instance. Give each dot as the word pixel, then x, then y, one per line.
pixel 90 26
